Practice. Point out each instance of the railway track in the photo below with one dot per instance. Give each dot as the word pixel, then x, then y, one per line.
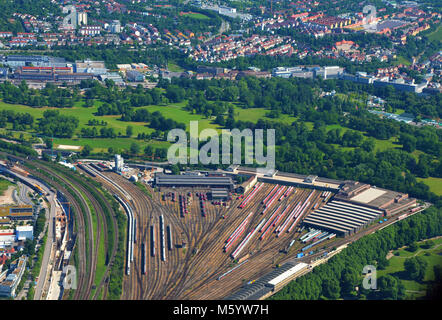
pixel 192 273
pixel 77 185
pixel 79 220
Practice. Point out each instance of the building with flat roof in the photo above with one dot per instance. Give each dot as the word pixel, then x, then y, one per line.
pixel 24 233
pixel 164 180
pixel 134 76
pixel 341 217
pixel 388 201
pixel 7 238
pixel 20 212
pixel 219 193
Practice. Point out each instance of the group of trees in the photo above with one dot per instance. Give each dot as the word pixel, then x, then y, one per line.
pixel 306 151
pixel 95 133
pixel 19 121
pixel 57 125
pixel 49 96
pixel 339 277
pixel 155 119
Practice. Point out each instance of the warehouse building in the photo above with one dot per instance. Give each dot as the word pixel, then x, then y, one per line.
pixel 134 76
pixel 163 180
pixel 342 218
pixel 281 280
pixel 24 233
pixel 21 212
pixel 388 201
pixel 270 283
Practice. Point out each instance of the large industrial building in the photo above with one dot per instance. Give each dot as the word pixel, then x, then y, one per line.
pixel 21 212
pixel 24 233
pixel 341 217
pixel 164 180
pixel 355 206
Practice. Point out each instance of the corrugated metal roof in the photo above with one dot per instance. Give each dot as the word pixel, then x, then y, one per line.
pixel 288 273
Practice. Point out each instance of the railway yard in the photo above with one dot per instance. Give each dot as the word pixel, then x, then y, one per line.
pixel 205 235
pixel 181 244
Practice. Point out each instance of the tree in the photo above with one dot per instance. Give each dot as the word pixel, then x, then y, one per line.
pixel 86 150
pixel 349 280
pixel 49 143
pixel 331 288
pixel 134 148
pixel 383 263
pixel 390 288
pixel 175 169
pixel 129 131
pixel 413 247
pixel 415 267
pixel 148 150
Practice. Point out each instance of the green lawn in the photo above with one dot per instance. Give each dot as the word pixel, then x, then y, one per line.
pixel 436 35
pixel 4 185
pixel 382 145
pixel 435 184
pixel 254 114
pixel 174 111
pixel 174 67
pixel 396 267
pixel 198 16
pixel 101 145
pixel 401 60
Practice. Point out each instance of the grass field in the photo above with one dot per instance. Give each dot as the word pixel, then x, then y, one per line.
pixel 435 184
pixel 254 114
pixel 436 35
pixel 198 16
pixel 401 60
pixel 174 111
pixel 382 145
pixel 4 185
pixel 396 268
pixel 174 67
pixel 101 145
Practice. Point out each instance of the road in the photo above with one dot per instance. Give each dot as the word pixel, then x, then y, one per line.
pixel 23 194
pixel 225 26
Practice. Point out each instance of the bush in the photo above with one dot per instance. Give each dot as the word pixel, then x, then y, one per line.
pixel 413 247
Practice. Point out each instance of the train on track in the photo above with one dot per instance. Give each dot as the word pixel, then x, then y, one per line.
pixel 143 258
pixel 152 241
pixel 162 242
pixel 130 232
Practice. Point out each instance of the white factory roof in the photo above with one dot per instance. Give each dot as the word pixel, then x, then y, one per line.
pixel 368 195
pixel 24 228
pixel 287 274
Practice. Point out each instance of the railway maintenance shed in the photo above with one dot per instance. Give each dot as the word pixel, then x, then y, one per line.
pixel 342 217
pixel 165 180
